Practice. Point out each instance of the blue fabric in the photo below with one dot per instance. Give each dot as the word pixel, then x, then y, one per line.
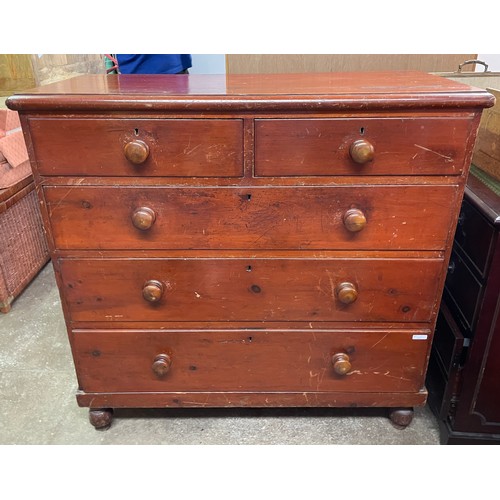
pixel 153 63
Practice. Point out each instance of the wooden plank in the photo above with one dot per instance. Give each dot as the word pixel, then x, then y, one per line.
pixel 306 63
pixel 48 68
pixel 487 149
pixel 251 399
pixel 16 73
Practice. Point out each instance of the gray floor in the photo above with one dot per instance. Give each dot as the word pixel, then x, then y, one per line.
pixel 38 405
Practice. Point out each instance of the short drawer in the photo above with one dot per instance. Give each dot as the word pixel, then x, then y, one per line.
pixel 236 360
pixel 280 289
pixel 367 146
pixel 354 217
pixel 474 235
pixel 138 147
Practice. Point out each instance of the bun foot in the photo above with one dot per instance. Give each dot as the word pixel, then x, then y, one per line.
pixel 5 308
pixel 101 418
pixel 401 417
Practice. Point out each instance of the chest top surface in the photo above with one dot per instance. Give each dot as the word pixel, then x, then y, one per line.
pixel 326 91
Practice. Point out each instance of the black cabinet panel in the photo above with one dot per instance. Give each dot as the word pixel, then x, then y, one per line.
pixel 464 391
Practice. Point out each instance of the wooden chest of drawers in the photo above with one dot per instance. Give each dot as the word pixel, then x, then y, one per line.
pixel 277 240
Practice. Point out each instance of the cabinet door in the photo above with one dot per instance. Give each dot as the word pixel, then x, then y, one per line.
pixel 443 372
pixel 479 407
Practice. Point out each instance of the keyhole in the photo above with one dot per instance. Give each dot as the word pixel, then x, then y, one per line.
pixel 136 131
pixel 249 269
pixel 249 197
pixel 362 130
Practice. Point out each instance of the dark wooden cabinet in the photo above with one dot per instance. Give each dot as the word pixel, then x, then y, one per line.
pixel 464 370
pixel 258 240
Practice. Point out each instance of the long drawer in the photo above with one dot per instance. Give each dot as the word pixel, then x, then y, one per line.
pixel 211 289
pixel 138 147
pixel 389 146
pixel 236 360
pixel 355 217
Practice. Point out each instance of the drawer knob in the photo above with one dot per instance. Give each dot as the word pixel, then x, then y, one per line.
pixel 136 152
pixel 354 220
pixel 143 218
pixel 346 293
pixel 161 365
pixel 152 290
pixel 362 151
pixel 341 363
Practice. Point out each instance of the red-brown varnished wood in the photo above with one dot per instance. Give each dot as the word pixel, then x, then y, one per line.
pixel 121 361
pixel 402 146
pixel 263 240
pixel 250 289
pixel 306 180
pixel 279 92
pixel 258 399
pixel 178 148
pixel 397 218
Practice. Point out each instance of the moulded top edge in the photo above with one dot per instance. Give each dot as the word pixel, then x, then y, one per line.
pixel 293 91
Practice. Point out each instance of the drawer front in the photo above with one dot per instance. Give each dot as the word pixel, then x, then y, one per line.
pixel 250 289
pixel 401 146
pixel 176 148
pixel 395 217
pixel 122 361
pixel 464 289
pixel 474 235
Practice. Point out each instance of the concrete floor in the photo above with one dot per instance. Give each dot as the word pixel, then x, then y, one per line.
pixel 38 405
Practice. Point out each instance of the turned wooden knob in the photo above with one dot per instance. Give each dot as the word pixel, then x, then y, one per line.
pixel 362 151
pixel 346 293
pixel 161 365
pixel 341 363
pixel 152 290
pixel 143 218
pixel 136 151
pixel 354 220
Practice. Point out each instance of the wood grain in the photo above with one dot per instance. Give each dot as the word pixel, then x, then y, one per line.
pixel 250 289
pixel 258 399
pixel 218 270
pixel 321 147
pixel 207 148
pixel 307 63
pixel 300 218
pixel 486 151
pixel 305 93
pixel 121 361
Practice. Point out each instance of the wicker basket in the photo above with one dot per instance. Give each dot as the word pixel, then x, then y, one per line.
pixel 23 248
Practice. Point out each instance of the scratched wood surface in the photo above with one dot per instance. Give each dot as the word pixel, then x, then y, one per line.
pixel 250 289
pixel 415 146
pixel 288 218
pixel 249 204
pixel 121 361
pixel 247 399
pixel 206 148
pixel 281 92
